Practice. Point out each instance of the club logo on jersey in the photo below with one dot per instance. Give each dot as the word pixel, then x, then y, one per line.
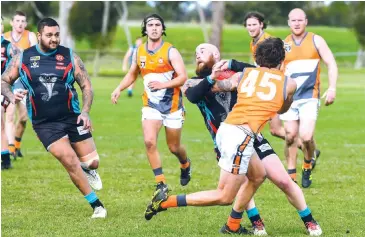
pixel 34 61
pixel 287 46
pixel 59 57
pixel 160 60
pixel 142 59
pixel 48 80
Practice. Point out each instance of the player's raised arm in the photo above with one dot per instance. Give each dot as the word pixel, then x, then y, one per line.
pixel 10 75
pixel 229 84
pixel 291 87
pixel 128 79
pixel 328 58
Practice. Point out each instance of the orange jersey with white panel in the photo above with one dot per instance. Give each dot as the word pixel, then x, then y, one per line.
pixel 23 43
pixel 155 66
pixel 253 45
pixel 302 63
pixel 260 95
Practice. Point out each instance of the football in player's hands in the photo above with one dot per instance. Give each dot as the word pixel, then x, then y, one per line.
pixel 225 74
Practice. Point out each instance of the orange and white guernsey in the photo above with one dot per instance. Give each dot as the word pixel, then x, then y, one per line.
pixel 302 63
pixel 253 45
pixel 156 66
pixel 260 95
pixel 22 43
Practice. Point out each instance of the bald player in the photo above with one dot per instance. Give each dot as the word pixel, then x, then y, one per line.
pixel 237 135
pixel 304 51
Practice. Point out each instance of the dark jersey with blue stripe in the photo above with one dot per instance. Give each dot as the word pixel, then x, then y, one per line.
pixel 49 79
pixel 5 53
pixel 215 107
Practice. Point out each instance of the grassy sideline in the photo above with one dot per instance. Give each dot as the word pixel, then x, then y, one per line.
pixel 38 198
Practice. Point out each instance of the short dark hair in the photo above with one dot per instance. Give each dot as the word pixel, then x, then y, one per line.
pixel 270 53
pixel 19 13
pixel 259 16
pixel 145 20
pixel 46 22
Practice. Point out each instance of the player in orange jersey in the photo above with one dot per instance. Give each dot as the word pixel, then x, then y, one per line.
pixel 304 51
pixel 23 39
pixel 255 25
pixel 262 92
pixel 163 72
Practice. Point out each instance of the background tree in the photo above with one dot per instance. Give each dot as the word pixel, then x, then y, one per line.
pixel 360 33
pixel 96 25
pixel 218 10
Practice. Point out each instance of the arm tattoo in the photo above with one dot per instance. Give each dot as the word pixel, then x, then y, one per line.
pixel 225 85
pixel 190 83
pixel 8 78
pixel 82 78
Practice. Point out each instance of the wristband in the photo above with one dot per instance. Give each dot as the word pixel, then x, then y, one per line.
pixel 209 79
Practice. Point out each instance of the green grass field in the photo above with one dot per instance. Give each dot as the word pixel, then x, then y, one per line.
pixel 39 199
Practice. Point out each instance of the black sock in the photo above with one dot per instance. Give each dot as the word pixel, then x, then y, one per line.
pixel 5 158
pixel 96 203
pixel 307 218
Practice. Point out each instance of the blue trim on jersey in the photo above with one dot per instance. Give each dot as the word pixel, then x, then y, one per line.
pixel 285 82
pixel 72 59
pixel 2 38
pixel 20 62
pixel 230 64
pixel 152 52
pixel 208 116
pixel 45 54
pixel 8 54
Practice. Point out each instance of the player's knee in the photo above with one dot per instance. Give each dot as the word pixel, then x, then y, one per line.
pixel 274 131
pixel 23 122
pixel 10 118
pixel 150 144
pixel 72 164
pixel 284 184
pixel 174 148
pixel 306 138
pixel 226 200
pixel 90 161
pixel 290 138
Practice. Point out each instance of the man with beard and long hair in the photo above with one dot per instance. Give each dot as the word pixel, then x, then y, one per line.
pixel 163 72
pixel 48 71
pixel 23 39
pixel 211 103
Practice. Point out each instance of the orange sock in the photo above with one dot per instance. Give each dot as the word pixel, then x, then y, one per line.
pixel 17 144
pixel 233 223
pixel 160 178
pixel 293 174
pixel 307 164
pixel 170 202
pixel 11 148
pixel 184 166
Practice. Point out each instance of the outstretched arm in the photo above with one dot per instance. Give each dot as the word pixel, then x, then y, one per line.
pixel 128 79
pixel 9 77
